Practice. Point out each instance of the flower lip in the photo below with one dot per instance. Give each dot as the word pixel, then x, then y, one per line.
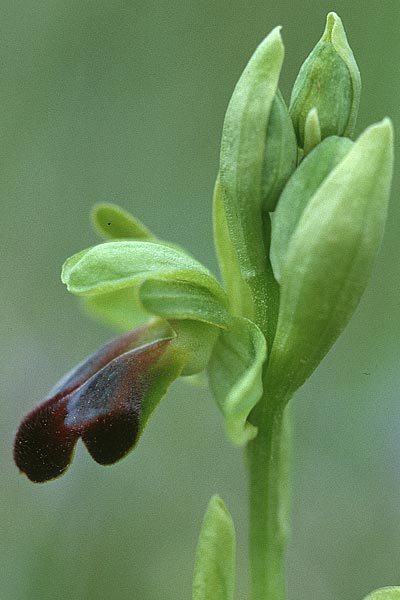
pixel 99 401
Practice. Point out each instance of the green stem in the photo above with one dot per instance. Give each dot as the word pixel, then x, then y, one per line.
pixel 268 460
pixel 269 474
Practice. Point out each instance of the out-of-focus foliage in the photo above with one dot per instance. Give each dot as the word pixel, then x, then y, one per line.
pixel 124 102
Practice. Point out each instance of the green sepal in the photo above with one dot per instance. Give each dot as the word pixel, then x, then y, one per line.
pixel 111 221
pixel 235 375
pixel 329 259
pixel 386 593
pixel 302 185
pixel 121 309
pixel 328 81
pixel 116 265
pixel 127 283
pixel 214 570
pixel 244 147
pixel 338 38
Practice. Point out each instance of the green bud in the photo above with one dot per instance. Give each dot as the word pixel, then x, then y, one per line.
pixel 328 81
pixel 300 188
pixel 312 130
pixel 258 153
pixel 329 259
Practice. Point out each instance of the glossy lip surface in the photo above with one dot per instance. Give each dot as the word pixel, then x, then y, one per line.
pixel 100 401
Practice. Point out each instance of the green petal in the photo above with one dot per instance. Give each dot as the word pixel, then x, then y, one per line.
pixel 235 374
pixel 300 188
pixel 182 300
pixel 329 259
pixel 214 571
pixel 113 222
pixel 386 593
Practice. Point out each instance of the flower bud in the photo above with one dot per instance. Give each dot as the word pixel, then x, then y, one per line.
pixel 329 259
pixel 328 81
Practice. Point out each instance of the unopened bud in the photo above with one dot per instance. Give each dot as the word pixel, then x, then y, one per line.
pixel 328 81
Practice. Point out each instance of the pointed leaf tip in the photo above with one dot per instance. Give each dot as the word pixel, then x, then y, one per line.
pixel 214 572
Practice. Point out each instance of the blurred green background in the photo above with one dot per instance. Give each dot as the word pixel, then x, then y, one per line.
pixel 124 101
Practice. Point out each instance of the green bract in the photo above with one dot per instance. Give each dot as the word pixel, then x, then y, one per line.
pixel 300 188
pixel 258 154
pixel 238 292
pixel 329 258
pixel 214 571
pixel 328 82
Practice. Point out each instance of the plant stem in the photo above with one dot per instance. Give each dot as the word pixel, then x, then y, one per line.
pixel 269 473
pixel 268 457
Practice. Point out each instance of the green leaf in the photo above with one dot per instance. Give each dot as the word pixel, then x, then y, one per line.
pixel 386 593
pixel 302 185
pixel 329 259
pixel 214 571
pixel 235 375
pixel 243 149
pixel 113 222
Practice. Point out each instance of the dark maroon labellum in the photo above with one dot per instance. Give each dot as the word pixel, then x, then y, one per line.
pixel 99 401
